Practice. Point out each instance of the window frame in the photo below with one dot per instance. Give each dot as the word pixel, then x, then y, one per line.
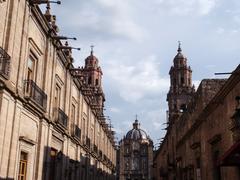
pixel 23 165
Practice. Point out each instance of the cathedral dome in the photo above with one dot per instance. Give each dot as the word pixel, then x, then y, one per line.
pixel 136 133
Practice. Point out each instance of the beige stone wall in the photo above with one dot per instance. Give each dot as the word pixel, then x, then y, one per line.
pixel 23 125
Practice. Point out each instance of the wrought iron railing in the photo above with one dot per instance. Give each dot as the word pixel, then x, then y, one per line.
pixel 95 149
pixel 100 154
pixel 88 142
pixel 62 118
pixel 105 158
pixel 77 132
pixel 4 63
pixel 35 93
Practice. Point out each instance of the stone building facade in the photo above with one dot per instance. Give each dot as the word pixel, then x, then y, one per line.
pixel 52 124
pixel 202 139
pixel 135 155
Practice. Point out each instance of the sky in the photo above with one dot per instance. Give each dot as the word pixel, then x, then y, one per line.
pixel 136 41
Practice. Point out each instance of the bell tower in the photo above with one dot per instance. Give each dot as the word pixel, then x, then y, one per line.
pixel 181 88
pixel 93 76
pixel 93 71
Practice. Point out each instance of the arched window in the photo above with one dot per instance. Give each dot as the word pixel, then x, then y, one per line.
pixel 89 80
pixel 182 80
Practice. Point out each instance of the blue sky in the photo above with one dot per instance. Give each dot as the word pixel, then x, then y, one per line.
pixel 136 41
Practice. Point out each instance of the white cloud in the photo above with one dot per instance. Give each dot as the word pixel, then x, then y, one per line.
pixel 105 19
pixel 114 109
pixel 137 81
pixel 157 118
pixel 196 83
pixel 186 7
pixel 220 30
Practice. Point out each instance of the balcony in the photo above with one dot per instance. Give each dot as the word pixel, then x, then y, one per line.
pixel 88 142
pixel 77 132
pixel 4 63
pixel 37 95
pixel 95 149
pixel 105 158
pixel 62 118
pixel 100 154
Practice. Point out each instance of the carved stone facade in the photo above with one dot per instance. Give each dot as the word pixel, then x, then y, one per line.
pixel 52 125
pixel 135 155
pixel 202 142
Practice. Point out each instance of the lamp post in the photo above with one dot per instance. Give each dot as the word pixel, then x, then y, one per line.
pixel 43 2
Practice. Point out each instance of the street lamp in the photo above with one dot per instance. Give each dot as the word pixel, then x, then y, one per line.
pixel 43 2
pixel 63 38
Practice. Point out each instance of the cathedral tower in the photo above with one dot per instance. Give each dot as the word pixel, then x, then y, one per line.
pixel 93 71
pixel 181 88
pixel 93 76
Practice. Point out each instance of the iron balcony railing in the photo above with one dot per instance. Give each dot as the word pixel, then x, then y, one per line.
pixel 105 157
pixel 88 142
pixel 77 132
pixel 62 118
pixel 35 93
pixel 100 154
pixel 95 149
pixel 4 63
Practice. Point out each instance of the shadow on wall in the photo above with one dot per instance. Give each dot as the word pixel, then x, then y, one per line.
pixel 58 166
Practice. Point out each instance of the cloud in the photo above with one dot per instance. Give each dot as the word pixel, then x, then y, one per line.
pixel 183 7
pixel 114 110
pixel 157 118
pixel 103 19
pixel 137 81
pixel 220 30
pixel 196 83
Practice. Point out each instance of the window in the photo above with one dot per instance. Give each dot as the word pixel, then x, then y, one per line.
pixel 22 174
pixel 126 149
pixel 73 113
pixel 96 83
pixel 135 163
pixel 57 97
pixel 182 80
pixel 135 146
pixel 31 63
pixel 89 80
pixel 31 67
pixel 83 126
